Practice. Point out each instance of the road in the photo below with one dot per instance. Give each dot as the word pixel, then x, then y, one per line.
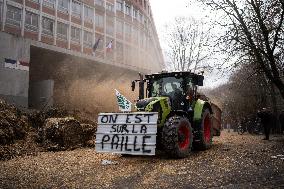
pixel 234 161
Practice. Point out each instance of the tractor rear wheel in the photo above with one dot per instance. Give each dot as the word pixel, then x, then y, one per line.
pixel 177 137
pixel 206 131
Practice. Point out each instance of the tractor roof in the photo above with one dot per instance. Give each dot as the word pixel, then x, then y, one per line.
pixel 172 74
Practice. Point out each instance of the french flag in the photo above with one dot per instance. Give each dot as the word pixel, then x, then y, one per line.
pixel 10 63
pixel 16 64
pixel 22 65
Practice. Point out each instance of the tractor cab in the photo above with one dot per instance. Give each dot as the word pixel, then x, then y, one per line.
pixel 180 87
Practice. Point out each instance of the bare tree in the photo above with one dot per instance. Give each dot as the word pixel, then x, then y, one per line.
pixel 188 44
pixel 244 94
pixel 254 30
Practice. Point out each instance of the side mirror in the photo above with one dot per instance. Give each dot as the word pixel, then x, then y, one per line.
pixel 200 79
pixel 133 85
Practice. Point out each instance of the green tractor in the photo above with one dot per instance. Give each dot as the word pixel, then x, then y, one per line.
pixel 184 119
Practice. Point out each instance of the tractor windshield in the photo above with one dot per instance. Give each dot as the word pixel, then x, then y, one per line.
pixel 169 86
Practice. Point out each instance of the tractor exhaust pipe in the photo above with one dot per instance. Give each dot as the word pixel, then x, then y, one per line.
pixel 141 86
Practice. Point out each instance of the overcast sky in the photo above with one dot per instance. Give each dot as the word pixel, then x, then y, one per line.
pixel 164 11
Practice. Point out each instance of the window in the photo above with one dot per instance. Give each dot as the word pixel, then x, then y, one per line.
pixel 88 13
pixel 88 38
pixel 31 21
pixel 14 15
pixel 99 21
pixel 101 43
pixel 63 5
pixel 127 9
pixel 49 3
pixel 135 34
pixel 36 1
pixel 140 18
pixel 100 3
pixel 75 34
pixel 127 54
pixel 109 29
pixel 135 13
pixel 119 6
pixel 109 7
pixel 119 51
pixel 128 30
pixel 76 8
pixel 62 30
pixel 111 42
pixel 110 25
pixel 119 27
pixel 144 41
pixel 47 26
pixel 141 38
pixel 169 86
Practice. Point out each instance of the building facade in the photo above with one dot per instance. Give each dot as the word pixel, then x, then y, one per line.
pixel 111 32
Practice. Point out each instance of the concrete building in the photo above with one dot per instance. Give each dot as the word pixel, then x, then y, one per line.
pixel 36 34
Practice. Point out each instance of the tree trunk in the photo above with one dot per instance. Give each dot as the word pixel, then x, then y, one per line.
pixel 276 124
pixel 280 85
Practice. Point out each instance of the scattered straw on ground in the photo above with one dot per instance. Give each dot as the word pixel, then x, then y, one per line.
pixel 234 160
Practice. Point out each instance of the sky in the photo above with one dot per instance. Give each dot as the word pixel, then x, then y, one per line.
pixel 164 11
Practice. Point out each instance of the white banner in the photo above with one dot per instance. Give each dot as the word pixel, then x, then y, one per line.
pixel 127 133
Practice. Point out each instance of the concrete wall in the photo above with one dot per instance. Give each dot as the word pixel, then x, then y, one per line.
pixel 79 83
pixel 14 83
pixel 56 77
pixel 41 94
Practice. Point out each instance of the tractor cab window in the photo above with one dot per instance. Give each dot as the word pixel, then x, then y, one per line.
pixel 166 87
pixel 190 90
pixel 172 87
pixel 189 87
pixel 189 83
pixel 155 89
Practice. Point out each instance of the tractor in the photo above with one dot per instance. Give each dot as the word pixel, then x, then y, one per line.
pixel 184 117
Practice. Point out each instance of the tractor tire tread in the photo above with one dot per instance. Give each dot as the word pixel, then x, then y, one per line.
pixel 170 137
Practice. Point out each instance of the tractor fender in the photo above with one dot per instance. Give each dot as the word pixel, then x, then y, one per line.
pixel 198 108
pixel 160 105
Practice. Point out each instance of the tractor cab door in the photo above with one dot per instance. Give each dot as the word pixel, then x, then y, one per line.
pixel 190 92
pixel 174 90
pixel 171 87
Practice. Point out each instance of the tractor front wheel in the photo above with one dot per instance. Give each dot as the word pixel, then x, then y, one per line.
pixel 177 137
